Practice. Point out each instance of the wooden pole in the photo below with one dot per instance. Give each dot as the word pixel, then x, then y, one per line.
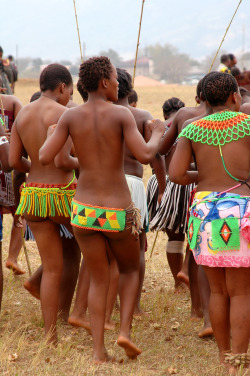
pixel 138 42
pixel 2 112
pixel 224 36
pixel 26 253
pixel 79 39
pixel 153 246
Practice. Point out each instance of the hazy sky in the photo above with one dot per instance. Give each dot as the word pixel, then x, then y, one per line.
pixel 47 28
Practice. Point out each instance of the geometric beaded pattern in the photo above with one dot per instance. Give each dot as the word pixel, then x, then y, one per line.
pixel 219 128
pixel 226 234
pixel 97 218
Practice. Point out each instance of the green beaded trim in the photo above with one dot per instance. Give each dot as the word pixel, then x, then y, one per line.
pixel 218 129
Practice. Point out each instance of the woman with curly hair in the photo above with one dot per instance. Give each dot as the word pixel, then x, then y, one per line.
pixel 102 210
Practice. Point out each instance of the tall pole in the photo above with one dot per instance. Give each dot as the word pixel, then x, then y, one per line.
pixel 224 36
pixel 138 42
pixel 79 39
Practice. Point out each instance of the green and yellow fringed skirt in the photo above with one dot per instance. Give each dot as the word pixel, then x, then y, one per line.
pixel 46 200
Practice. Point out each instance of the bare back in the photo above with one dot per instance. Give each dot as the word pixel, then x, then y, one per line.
pixel 131 165
pixel 11 103
pixel 187 113
pixel 184 114
pixel 31 128
pixel 212 175
pixel 99 146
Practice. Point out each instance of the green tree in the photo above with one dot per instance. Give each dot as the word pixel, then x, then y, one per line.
pixel 36 63
pixel 169 64
pixel 74 70
pixel 65 62
pixel 112 55
pixel 208 60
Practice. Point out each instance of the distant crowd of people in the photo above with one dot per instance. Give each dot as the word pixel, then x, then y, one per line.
pixel 228 64
pixel 8 72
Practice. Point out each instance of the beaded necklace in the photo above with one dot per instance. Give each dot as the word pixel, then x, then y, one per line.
pixel 217 130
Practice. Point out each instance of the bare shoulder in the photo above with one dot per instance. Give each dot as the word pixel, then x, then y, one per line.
pixel 186 113
pixel 120 112
pixel 245 108
pixel 24 110
pixel 16 100
pixel 187 122
pixel 140 114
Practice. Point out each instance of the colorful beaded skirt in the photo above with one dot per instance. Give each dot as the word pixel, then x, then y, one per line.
pixel 218 229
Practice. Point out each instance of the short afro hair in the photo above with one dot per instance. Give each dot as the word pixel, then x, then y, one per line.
pixel 93 70
pixel 172 105
pixel 125 83
pixel 35 96
pixel 218 87
pixel 201 82
pixel 231 57
pixel 235 72
pixel 224 58
pixel 54 75
pixel 83 93
pixel 133 97
pixel 198 89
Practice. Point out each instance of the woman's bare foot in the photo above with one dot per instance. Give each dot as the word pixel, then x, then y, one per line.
pixel 103 359
pixel 109 325
pixel 12 265
pixel 130 348
pixel 138 312
pixel 34 290
pixel 180 288
pixel 183 278
pixel 196 315
pixel 206 332
pixel 236 364
pixel 80 323
pixel 51 338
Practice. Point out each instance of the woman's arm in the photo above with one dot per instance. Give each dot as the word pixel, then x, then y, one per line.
pixel 16 152
pixel 170 137
pixel 142 151
pixel 64 159
pixel 179 166
pixel 17 107
pixel 54 142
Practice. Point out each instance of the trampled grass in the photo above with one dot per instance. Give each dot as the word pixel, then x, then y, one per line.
pixel 167 337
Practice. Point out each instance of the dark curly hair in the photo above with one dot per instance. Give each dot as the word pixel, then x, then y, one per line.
pixel 235 72
pixel 83 93
pixel 125 83
pixel 93 70
pixel 133 97
pixel 218 87
pixel 201 84
pixel 35 96
pixel 172 105
pixel 198 88
pixel 54 75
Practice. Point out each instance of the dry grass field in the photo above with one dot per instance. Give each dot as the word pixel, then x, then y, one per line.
pixel 166 335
